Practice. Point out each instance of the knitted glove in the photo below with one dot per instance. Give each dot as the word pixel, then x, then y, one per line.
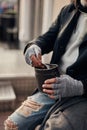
pixel 66 86
pixel 32 50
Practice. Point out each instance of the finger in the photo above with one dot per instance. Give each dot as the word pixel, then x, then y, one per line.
pixel 33 57
pixel 57 86
pixel 51 96
pixel 39 58
pixel 47 86
pixel 35 61
pixel 49 81
pixel 57 92
pixel 57 97
pixel 47 91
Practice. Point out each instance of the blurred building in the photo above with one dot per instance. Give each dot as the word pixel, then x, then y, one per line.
pixel 24 20
pixel 9 21
pixel 35 17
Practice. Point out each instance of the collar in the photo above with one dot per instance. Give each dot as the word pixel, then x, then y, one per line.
pixel 80 7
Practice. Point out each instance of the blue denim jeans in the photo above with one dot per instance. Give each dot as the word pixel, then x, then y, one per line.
pixel 27 117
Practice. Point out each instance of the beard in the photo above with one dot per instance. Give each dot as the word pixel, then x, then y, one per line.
pixel 84 3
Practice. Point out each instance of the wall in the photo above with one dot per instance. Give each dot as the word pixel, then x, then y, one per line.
pixel 58 4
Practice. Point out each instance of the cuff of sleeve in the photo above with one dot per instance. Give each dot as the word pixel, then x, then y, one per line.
pixel 27 46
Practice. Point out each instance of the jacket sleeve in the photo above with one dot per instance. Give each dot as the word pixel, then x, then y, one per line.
pixel 47 40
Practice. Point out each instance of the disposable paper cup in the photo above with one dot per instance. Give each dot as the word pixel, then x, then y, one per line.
pixel 44 74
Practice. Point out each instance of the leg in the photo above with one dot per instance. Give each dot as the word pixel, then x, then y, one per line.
pixel 72 118
pixel 30 113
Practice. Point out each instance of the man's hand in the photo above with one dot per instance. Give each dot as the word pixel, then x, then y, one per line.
pixel 63 86
pixel 33 56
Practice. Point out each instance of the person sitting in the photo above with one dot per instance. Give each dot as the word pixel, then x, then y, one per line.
pixel 67 38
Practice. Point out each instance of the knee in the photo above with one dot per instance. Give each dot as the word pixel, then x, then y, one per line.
pixel 10 125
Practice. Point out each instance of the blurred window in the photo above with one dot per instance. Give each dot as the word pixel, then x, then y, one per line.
pixel 8 22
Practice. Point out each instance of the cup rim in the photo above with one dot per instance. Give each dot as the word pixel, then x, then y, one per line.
pixel 55 65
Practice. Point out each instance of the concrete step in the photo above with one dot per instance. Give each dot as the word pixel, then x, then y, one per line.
pixel 7 95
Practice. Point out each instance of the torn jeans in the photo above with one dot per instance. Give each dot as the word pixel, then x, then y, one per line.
pixel 27 117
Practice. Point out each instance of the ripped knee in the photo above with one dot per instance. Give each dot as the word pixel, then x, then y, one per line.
pixel 10 125
pixel 28 107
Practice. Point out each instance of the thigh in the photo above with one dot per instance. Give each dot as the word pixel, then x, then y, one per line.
pixel 32 111
pixel 72 118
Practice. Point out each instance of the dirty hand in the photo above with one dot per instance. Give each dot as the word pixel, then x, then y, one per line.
pixel 63 86
pixel 33 55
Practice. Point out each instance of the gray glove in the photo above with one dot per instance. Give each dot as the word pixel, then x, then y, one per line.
pixel 66 86
pixel 32 50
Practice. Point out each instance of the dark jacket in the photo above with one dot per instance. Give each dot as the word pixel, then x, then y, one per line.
pixel 49 42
